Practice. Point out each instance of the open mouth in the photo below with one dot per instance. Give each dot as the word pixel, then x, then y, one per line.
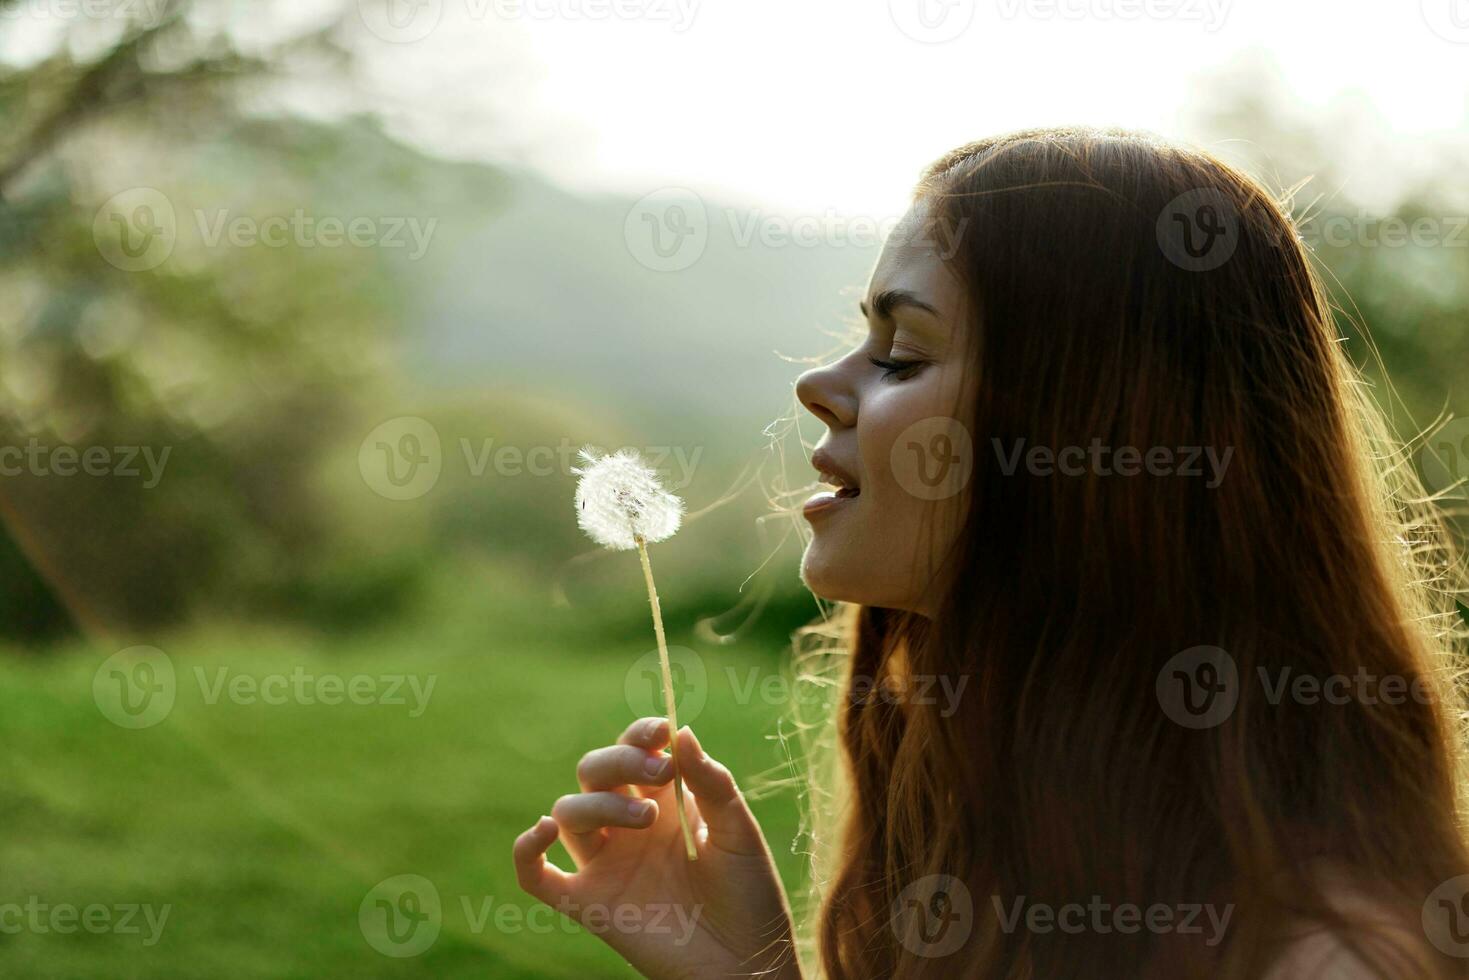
pixel 828 499
pixel 842 486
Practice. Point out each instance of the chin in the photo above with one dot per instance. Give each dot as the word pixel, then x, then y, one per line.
pixel 823 576
pixel 836 579
pixel 839 578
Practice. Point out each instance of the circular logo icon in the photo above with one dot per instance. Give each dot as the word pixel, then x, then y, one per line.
pixel 1446 917
pixel 135 688
pixel 401 21
pixel 1199 687
pixel 934 916
pixel 933 458
pixel 667 230
pixel 401 459
pixel 643 685
pixel 1444 460
pixel 1449 19
pixel 136 229
pixel 401 916
pixel 932 21
pixel 1198 230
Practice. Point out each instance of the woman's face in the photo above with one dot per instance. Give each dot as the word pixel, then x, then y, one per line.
pixel 895 450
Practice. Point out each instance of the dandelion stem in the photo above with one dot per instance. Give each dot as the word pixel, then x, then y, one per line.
pixel 668 701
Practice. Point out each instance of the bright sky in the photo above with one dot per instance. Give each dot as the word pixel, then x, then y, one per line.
pixel 804 104
pixel 801 105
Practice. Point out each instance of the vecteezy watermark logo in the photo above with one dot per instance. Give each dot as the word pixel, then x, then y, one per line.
pixel 1199 687
pixel 1198 230
pixel 38 459
pixel 64 918
pixel 1364 230
pixel 407 21
pixel 1449 19
pixel 934 916
pixel 834 229
pixel 138 230
pixel 306 231
pixel 138 687
pixel 677 13
pixel 401 916
pixel 933 458
pixel 942 692
pixel 1103 918
pixel 643 684
pixel 676 922
pixel 135 688
pixel 401 21
pixel 675 465
pixel 932 21
pixel 401 458
pixel 135 230
pixel 412 691
pixel 1444 460
pixel 1446 917
pixel 667 230
pixel 142 13
pixel 1210 13
pixel 1102 460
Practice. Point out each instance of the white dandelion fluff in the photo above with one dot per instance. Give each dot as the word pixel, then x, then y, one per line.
pixel 621 504
pixel 619 500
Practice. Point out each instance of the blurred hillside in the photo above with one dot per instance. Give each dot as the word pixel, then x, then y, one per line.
pixel 547 283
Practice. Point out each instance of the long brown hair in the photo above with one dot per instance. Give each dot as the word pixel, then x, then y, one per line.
pixel 1062 777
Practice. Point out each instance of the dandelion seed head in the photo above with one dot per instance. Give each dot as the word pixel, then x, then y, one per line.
pixel 619 499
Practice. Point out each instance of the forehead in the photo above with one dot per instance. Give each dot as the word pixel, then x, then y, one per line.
pixel 913 260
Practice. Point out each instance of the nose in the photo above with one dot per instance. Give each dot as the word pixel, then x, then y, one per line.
pixel 827 395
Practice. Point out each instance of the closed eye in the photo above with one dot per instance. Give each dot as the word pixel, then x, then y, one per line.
pixel 896 370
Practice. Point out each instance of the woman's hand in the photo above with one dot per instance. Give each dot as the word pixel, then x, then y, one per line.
pixel 723 915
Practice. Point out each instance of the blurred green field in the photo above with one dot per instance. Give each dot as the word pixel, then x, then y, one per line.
pixel 264 826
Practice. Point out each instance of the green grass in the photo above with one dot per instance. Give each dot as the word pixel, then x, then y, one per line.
pixel 264 826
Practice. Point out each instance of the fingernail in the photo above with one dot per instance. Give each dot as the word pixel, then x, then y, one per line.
pixel 655 765
pixel 698 749
pixel 638 809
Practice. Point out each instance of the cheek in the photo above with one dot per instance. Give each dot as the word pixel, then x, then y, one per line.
pixel 918 458
pixel 903 437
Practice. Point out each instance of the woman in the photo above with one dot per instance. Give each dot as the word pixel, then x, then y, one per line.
pixel 1102 468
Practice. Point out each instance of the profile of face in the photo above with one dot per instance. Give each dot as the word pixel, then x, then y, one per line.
pixel 896 452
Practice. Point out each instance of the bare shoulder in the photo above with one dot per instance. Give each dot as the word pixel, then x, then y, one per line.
pixel 1320 953
pixel 1320 956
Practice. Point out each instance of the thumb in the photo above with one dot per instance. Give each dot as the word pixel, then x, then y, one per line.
pixel 731 825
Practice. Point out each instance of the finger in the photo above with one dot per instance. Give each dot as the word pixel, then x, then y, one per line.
pixel 616 766
pixel 584 817
pixel 538 877
pixel 648 733
pixel 731 825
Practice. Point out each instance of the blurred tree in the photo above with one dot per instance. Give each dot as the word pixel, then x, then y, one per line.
pixel 232 359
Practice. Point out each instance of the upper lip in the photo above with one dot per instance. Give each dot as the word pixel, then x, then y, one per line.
pixel 833 472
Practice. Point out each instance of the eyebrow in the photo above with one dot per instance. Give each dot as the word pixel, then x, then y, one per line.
pixel 890 299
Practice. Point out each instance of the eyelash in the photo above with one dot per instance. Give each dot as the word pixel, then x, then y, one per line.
pixel 896 370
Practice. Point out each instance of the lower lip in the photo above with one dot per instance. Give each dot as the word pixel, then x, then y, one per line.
pixel 823 502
